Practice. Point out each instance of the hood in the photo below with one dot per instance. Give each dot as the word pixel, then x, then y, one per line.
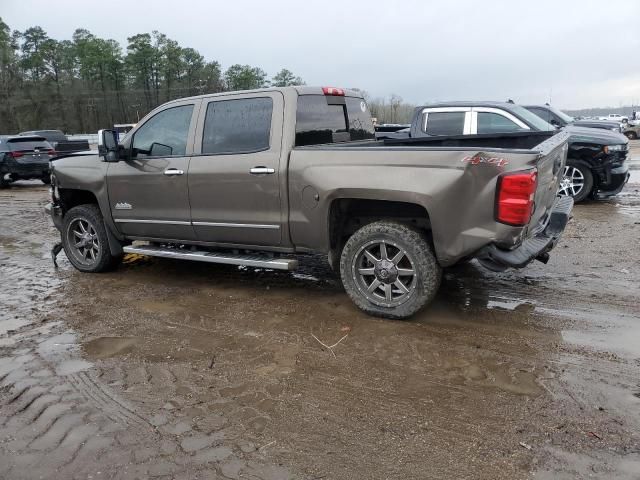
pixel 597 123
pixel 595 135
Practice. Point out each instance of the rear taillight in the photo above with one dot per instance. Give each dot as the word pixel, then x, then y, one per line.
pixel 16 154
pixel 336 92
pixel 51 152
pixel 515 197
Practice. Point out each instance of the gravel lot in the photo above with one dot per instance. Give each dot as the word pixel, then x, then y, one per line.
pixel 178 370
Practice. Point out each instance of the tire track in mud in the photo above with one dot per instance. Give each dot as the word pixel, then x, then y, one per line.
pixel 58 417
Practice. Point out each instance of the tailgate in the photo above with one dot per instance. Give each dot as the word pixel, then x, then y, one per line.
pixel 550 164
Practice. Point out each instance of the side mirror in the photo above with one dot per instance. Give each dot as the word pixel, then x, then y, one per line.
pixel 108 145
pixel 555 123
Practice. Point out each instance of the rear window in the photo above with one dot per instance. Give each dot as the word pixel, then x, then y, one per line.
pixel 19 145
pixel 326 119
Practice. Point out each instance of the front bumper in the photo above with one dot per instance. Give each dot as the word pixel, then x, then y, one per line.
pixel 55 212
pixel 618 177
pixel 537 247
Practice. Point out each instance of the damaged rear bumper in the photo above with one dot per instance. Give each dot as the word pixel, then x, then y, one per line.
pixel 537 247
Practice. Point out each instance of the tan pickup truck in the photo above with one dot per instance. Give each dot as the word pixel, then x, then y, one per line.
pixel 254 177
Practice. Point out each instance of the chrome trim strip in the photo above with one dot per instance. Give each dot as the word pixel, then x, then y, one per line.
pixel 234 225
pixel 249 260
pixel 199 224
pixel 161 222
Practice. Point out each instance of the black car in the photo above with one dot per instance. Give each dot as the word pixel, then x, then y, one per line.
pixel 595 162
pixel 24 158
pixel 590 170
pixel 59 141
pixel 559 119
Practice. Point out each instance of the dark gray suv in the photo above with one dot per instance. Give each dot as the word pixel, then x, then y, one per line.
pixel 24 158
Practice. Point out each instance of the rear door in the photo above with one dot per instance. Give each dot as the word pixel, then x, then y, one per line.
pixel 149 193
pixel 234 179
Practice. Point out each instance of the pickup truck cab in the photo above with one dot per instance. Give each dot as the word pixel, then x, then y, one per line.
pixel 255 177
pixel 596 165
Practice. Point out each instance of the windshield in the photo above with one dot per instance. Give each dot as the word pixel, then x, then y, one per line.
pixel 532 119
pixel 562 115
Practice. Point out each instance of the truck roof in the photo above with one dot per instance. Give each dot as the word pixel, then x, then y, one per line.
pixel 469 103
pixel 300 90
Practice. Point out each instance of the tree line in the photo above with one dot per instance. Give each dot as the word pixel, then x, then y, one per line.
pixel 87 83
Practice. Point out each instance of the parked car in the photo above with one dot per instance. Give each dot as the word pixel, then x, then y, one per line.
pixel 24 158
pixel 559 119
pixel 616 117
pixel 632 132
pixel 59 141
pixel 596 159
pixel 252 178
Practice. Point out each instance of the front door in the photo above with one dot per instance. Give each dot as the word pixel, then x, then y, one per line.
pixel 234 177
pixel 148 192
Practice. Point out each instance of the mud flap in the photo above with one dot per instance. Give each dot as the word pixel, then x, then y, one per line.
pixel 54 253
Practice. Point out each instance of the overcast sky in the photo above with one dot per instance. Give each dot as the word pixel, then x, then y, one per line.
pixel 581 53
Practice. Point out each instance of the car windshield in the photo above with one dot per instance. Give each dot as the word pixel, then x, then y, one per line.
pixel 562 115
pixel 532 119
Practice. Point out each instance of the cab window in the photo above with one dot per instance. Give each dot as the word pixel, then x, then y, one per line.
pixel 164 135
pixel 495 123
pixel 241 125
pixel 445 123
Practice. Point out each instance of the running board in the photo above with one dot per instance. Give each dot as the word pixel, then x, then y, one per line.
pixel 248 260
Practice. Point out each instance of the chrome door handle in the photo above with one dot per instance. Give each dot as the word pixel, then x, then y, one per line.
pixel 262 170
pixel 173 171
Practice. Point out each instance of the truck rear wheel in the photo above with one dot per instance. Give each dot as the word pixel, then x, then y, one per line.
pixel 85 241
pixel 389 270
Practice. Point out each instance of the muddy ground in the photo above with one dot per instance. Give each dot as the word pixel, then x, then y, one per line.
pixel 179 370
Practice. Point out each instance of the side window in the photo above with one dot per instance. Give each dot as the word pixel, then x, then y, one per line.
pixel 542 113
pixel 237 126
pixel 445 123
pixel 165 134
pixel 495 123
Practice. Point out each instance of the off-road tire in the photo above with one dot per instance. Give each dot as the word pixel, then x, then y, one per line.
pixel 417 249
pixel 588 179
pixel 104 260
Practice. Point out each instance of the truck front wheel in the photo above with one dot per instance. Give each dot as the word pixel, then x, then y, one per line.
pixel 389 270
pixel 85 241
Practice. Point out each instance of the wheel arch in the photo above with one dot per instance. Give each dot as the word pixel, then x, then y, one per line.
pixel 348 214
pixel 71 197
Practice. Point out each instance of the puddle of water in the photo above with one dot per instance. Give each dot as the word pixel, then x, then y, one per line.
pixel 62 351
pixel 105 347
pixel 12 324
pixel 608 331
pixel 67 367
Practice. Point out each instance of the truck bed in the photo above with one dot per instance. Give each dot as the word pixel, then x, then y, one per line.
pixel 511 141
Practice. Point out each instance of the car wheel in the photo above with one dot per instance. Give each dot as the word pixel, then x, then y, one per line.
pixel 46 179
pixel 4 182
pixel 85 241
pixel 577 180
pixel 631 135
pixel 389 270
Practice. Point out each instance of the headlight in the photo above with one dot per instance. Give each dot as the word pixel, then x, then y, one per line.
pixel 616 148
